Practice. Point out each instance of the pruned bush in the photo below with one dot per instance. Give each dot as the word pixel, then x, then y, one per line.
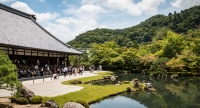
pixel 21 100
pixel 82 102
pixel 76 82
pixel 36 100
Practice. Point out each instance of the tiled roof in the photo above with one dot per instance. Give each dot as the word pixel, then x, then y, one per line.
pixel 20 29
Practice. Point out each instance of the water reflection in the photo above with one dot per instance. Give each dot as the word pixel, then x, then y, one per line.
pixel 118 102
pixel 171 93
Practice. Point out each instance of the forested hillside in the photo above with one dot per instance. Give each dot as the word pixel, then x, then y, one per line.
pixel 153 28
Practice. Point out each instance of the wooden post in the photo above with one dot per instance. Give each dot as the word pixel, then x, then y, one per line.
pixel 13 54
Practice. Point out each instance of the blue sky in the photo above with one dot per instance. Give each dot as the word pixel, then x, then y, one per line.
pixel 66 19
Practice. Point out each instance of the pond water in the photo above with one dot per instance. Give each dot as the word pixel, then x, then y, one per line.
pixel 183 92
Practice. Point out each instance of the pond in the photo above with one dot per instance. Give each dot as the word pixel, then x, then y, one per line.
pixel 183 92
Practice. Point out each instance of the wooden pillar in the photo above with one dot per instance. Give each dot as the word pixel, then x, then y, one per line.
pixel 13 54
pixel 8 50
pixel 48 59
pixel 67 62
pixel 78 60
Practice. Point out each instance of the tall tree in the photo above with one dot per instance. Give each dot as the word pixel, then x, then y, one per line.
pixel 171 45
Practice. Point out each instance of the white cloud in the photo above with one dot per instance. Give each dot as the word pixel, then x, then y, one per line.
pixel 22 7
pixel 184 3
pixel 145 6
pixel 67 21
pixel 103 26
pixel 68 28
pixel 91 9
pixel 4 1
pixel 42 1
pixel 149 6
pixel 62 32
pixel 41 17
pixel 85 10
pixel 121 5
pixel 84 19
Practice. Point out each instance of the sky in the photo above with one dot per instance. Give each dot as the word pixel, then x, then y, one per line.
pixel 66 19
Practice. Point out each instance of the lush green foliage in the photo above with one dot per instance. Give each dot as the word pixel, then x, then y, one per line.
pixel 182 22
pixel 173 52
pixel 36 100
pixel 21 100
pixel 8 73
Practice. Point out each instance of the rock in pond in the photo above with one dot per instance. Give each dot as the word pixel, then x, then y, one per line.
pixel 73 105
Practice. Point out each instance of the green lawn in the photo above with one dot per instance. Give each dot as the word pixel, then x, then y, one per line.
pixel 89 93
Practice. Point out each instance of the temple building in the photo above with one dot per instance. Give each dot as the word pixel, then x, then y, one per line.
pixel 28 43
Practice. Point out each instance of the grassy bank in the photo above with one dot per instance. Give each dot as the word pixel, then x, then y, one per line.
pixel 89 93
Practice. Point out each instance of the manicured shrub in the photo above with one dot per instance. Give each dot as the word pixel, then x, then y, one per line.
pixel 82 102
pixel 36 100
pixel 76 82
pixel 21 100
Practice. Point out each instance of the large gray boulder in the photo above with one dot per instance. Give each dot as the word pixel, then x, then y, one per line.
pixel 51 104
pixel 73 105
pixel 27 93
pixel 149 85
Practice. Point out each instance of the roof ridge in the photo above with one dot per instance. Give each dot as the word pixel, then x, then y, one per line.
pixel 15 11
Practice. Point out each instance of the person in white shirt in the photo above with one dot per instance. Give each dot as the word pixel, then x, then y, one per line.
pixel 65 70
pixel 55 76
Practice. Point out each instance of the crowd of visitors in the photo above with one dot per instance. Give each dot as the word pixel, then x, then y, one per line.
pixel 35 71
pixel 41 71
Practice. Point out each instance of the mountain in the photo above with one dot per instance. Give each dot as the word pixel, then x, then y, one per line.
pixel 144 32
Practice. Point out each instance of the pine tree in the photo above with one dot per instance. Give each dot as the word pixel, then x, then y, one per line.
pixel 8 73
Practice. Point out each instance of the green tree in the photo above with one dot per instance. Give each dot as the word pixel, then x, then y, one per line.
pixel 196 50
pixel 105 54
pixel 130 57
pixel 171 45
pixel 159 66
pixel 8 74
